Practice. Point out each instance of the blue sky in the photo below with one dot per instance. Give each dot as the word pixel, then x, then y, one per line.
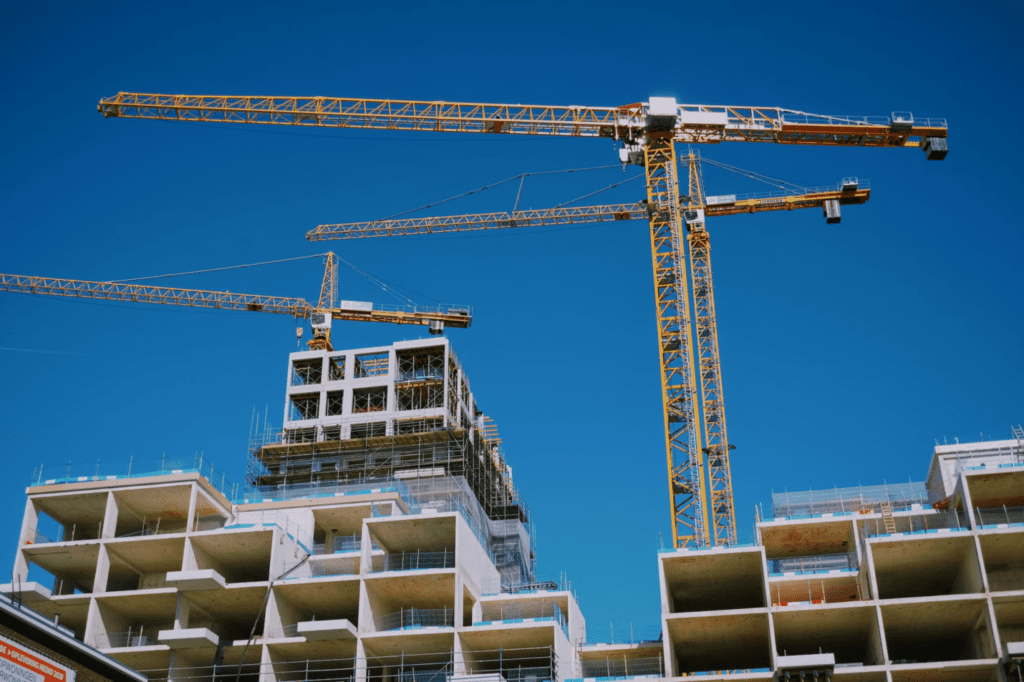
pixel 847 350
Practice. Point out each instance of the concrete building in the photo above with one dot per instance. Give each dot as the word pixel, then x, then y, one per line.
pixel 380 538
pixel 899 583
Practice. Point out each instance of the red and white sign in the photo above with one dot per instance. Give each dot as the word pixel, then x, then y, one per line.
pixel 18 664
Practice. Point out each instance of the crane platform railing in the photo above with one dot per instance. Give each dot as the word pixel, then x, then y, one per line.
pixel 779 194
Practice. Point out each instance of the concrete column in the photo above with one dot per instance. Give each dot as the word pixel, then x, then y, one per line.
pixel 109 527
pixel 772 646
pixel 671 664
pixel 181 612
pixel 764 578
pixel 192 520
pixel 882 644
pixel 366 623
pixel 93 622
pixel 28 536
pixel 458 658
pixel 99 582
pixel 360 662
pixel 267 672
pixel 329 534
pixel 972 523
pixel 365 552
pixel 873 581
pixel 457 616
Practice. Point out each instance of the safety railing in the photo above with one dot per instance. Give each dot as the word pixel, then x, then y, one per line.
pixel 623 667
pixel 153 528
pixel 134 468
pixel 789 116
pixel 914 524
pixel 807 504
pixel 535 664
pixel 999 517
pixel 134 637
pixel 531 611
pixel 725 199
pixel 420 374
pixel 491 586
pixel 821 563
pixel 622 633
pixel 413 561
pixel 337 670
pixel 341 544
pixel 317 489
pixel 418 618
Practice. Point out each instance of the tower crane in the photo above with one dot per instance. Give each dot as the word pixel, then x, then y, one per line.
pixel 320 315
pixel 647 132
pixel 718 483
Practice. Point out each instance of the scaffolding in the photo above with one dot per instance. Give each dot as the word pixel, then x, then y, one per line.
pixel 447 469
pixel 847 500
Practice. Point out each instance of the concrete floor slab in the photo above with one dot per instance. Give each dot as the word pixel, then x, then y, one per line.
pixel 156 657
pixel 843 630
pixel 714 580
pixel 952 671
pixel 150 553
pixel 509 636
pixel 807 537
pixel 996 488
pixel 301 649
pixel 399 642
pixel 909 566
pixel 428 533
pixel 723 641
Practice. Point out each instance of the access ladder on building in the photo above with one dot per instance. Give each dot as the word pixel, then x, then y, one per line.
pixel 890 522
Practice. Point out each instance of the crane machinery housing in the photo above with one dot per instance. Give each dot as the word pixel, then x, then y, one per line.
pixel 648 132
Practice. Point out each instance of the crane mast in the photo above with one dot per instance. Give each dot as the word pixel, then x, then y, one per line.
pixel 648 132
pixel 684 455
pixel 712 401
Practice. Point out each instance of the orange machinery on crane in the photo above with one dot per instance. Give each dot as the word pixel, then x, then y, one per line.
pixel 648 132
pixel 718 484
pixel 320 315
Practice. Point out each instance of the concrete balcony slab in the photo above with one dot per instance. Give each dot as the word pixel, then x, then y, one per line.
pixel 340 628
pixel 205 579
pixel 188 638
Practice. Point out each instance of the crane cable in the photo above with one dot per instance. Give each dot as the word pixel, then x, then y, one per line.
pixel 522 177
pixel 380 283
pixel 227 267
pixel 760 177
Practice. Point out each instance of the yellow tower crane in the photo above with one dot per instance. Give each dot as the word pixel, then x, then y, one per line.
pixel 320 315
pixel 648 131
pixel 718 483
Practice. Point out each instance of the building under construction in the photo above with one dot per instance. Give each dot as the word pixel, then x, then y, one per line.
pixel 399 413
pixel 379 538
